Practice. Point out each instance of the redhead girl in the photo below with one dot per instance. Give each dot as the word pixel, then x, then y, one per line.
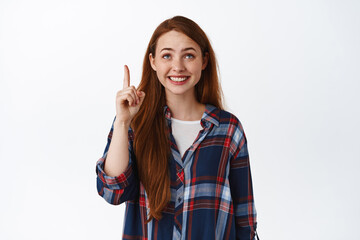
pixel 174 155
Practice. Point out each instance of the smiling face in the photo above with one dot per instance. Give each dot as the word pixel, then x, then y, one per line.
pixel 178 63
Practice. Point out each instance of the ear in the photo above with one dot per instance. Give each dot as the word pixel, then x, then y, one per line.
pixel 152 62
pixel 205 61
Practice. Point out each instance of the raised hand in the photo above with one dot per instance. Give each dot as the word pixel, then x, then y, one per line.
pixel 128 100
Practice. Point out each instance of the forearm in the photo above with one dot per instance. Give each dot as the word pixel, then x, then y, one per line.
pixel 117 159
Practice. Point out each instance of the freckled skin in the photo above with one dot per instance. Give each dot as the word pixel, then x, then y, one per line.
pixel 177 55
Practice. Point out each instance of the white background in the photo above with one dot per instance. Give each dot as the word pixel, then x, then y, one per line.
pixel 289 71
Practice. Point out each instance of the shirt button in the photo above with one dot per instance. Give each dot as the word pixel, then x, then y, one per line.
pixel 179 199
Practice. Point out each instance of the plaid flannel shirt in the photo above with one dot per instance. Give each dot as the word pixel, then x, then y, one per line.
pixel 211 187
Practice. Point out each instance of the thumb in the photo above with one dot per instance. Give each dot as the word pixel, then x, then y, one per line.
pixel 141 95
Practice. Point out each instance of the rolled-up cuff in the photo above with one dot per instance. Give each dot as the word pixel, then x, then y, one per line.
pixel 114 183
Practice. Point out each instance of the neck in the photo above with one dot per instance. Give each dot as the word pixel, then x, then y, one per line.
pixel 185 108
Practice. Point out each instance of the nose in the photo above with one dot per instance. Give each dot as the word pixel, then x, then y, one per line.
pixel 178 65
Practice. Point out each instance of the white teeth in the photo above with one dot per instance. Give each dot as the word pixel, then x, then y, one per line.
pixel 176 79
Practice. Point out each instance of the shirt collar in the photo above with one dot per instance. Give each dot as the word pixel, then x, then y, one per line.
pixel 210 115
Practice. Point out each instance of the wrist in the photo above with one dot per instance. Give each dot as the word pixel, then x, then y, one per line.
pixel 121 124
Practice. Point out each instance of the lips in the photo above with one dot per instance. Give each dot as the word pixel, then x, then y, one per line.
pixel 178 80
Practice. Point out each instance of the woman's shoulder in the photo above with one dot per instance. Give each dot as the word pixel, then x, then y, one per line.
pixel 223 117
pixel 229 127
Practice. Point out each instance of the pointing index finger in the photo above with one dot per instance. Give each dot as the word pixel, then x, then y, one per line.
pixel 126 77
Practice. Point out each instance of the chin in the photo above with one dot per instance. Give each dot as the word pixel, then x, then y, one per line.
pixel 178 92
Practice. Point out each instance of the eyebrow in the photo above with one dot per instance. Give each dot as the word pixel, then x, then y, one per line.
pixel 183 50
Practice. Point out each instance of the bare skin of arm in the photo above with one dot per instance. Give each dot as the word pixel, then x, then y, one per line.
pixel 128 102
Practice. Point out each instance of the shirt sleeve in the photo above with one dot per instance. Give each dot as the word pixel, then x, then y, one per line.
pixel 241 188
pixel 125 187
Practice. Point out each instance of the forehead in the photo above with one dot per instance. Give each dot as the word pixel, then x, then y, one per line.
pixel 175 40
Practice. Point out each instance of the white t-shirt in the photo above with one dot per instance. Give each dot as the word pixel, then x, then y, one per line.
pixel 185 133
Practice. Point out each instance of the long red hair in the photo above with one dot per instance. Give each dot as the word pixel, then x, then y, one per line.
pixel 151 142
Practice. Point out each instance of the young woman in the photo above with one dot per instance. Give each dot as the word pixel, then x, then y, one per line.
pixel 178 160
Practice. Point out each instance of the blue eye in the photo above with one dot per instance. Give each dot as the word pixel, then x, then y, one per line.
pixel 166 56
pixel 189 56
